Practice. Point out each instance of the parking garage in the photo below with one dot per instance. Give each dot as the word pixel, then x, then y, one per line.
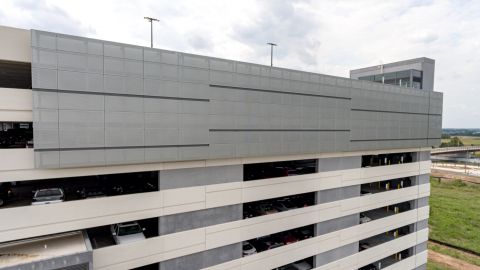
pixel 305 264
pixel 276 240
pixel 66 251
pixel 382 186
pixel 16 135
pixel 386 211
pixel 265 170
pixel 389 260
pixel 384 237
pixel 14 194
pixel 386 159
pixel 105 236
pixel 280 204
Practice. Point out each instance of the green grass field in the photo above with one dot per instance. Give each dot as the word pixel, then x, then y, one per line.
pixel 455 214
pixel 436 266
pixel 467 140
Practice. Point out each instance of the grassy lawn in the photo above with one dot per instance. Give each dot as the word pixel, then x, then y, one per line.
pixel 436 266
pixel 469 140
pixel 455 214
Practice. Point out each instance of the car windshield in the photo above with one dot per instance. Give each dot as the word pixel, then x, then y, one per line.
pixel 48 193
pixel 129 229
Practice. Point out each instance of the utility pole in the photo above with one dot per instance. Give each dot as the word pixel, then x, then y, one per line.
pixel 151 20
pixel 271 52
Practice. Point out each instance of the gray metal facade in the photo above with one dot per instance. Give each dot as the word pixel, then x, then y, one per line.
pixel 103 103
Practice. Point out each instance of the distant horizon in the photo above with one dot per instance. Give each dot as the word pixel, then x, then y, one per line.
pixel 459 128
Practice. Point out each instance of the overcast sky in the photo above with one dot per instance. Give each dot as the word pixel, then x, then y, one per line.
pixel 329 37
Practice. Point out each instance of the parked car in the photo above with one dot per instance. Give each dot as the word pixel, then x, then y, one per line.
pixel 303 233
pixel 266 243
pixel 272 244
pixel 265 209
pixel 130 188
pixel 6 193
pixel 306 170
pixel 364 246
pixel 300 201
pixel 303 265
pixel 364 218
pixel 127 232
pixel 90 192
pixel 289 239
pixel 48 196
pixel 248 249
pixel 284 205
pixel 369 267
pixel 248 211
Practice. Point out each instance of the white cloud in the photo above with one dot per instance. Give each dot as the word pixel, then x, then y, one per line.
pixel 329 37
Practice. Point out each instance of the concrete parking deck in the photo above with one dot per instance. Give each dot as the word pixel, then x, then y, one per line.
pixel 30 250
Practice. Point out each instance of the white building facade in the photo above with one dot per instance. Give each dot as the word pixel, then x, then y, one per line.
pixel 222 164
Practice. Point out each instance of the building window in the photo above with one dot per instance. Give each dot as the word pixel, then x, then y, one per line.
pixel 16 135
pixel 404 78
pixel 15 75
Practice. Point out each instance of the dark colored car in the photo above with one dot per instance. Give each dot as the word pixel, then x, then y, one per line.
pixel 129 188
pixel 369 267
pixel 6 193
pixel 303 233
pixel 248 211
pixel 91 192
pixel 284 205
pixel 289 238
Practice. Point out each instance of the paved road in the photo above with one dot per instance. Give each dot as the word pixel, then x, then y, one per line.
pixel 447 174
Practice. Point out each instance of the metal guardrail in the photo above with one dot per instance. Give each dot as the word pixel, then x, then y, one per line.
pixel 455 149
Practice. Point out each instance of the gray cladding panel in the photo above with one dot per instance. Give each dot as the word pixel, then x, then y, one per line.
pixel 204 259
pixel 335 194
pixel 181 178
pixel 339 163
pixel 336 254
pixel 199 219
pixel 336 224
pixel 158 105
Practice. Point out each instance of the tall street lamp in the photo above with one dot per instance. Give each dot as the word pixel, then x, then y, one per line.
pixel 271 52
pixel 151 20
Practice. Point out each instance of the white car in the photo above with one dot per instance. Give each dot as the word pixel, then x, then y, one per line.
pixel 248 249
pixel 48 195
pixel 127 232
pixel 364 219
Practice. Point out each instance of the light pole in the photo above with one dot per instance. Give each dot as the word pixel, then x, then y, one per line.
pixel 271 52
pixel 151 20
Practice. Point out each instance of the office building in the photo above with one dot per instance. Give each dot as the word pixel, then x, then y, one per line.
pixel 116 156
pixel 413 73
